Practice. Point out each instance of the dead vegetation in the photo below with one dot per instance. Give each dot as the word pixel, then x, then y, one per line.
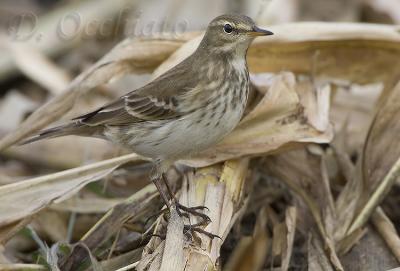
pixel 307 181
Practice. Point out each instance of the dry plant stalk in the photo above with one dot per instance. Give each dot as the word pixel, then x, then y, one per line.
pixel 222 189
pixel 22 267
pixel 387 230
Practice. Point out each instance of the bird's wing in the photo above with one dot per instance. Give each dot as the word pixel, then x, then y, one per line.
pixel 157 100
pixel 132 108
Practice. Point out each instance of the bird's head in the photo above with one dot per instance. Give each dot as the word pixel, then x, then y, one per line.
pixel 231 33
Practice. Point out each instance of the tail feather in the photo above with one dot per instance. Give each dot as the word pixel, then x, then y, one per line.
pixel 73 128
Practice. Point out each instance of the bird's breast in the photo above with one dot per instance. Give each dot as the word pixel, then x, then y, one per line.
pixel 212 116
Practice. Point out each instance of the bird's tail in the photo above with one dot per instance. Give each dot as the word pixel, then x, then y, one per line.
pixel 72 128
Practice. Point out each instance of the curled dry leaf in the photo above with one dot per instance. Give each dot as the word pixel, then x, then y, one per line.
pixel 40 192
pixel 380 165
pixel 291 111
pixel 340 51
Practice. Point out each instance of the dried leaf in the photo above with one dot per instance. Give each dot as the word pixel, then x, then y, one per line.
pixel 250 253
pixel 40 192
pixel 286 114
pixel 344 51
pixel 305 180
pixel 111 223
pixel 86 205
pixel 380 160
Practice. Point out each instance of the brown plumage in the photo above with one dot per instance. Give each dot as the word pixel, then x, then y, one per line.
pixel 188 108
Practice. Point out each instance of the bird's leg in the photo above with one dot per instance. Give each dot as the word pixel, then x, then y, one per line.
pixel 157 180
pixel 158 177
pixel 172 195
pixel 205 219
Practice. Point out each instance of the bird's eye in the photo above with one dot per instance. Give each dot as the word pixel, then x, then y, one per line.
pixel 228 28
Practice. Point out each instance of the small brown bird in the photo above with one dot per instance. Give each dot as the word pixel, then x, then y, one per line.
pixel 187 109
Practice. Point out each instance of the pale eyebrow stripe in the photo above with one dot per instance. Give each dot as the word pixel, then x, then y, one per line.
pixel 222 23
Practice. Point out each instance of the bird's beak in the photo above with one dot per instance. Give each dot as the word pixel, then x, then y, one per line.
pixel 259 32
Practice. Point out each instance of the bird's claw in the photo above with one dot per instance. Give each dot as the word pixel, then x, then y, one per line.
pixel 192 228
pixel 185 211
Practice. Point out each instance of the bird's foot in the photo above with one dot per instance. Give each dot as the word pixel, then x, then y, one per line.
pixel 195 211
pixel 190 229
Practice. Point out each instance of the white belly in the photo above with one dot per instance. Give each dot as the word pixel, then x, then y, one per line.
pixel 183 137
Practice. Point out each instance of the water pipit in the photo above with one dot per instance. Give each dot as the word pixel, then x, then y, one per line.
pixel 185 110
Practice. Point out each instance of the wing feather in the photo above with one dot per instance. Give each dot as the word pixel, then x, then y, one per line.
pixel 158 100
